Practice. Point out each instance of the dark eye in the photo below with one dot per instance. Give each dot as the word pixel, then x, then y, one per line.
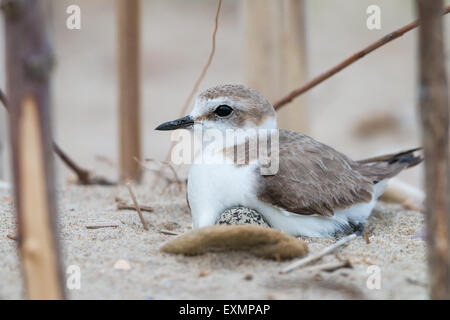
pixel 223 110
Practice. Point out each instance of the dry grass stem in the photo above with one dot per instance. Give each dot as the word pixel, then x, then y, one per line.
pixel 199 80
pixel 124 206
pixel 329 267
pixel 12 237
pixel 171 233
pixel 99 226
pixel 355 57
pixel 175 180
pixel 366 237
pixel 314 257
pixel 85 177
pixel 137 207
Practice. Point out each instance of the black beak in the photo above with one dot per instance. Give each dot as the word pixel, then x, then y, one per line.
pixel 185 122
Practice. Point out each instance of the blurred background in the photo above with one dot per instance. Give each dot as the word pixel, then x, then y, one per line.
pixel 367 109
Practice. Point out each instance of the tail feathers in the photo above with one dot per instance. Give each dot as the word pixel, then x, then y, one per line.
pixel 387 166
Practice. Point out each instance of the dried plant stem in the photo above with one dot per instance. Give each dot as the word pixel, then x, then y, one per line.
pixel 99 226
pixel 329 267
pixel 175 180
pixel 208 63
pixel 433 101
pixel 366 237
pixel 28 72
pixel 84 176
pixel 124 206
pixel 317 256
pixel 199 80
pixel 137 207
pixel 170 233
pixel 129 49
pixel 167 164
pixel 11 236
pixel 355 57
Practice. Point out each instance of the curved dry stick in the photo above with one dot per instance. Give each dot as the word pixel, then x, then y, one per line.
pixel 314 82
pixel 84 176
pixel 199 80
pixel 208 63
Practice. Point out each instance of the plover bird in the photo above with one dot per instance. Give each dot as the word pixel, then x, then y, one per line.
pixel 316 191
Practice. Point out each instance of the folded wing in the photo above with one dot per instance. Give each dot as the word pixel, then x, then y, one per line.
pixel 313 178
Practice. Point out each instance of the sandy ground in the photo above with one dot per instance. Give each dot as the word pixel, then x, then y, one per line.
pixel 155 275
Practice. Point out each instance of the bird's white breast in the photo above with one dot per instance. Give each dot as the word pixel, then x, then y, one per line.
pixel 213 188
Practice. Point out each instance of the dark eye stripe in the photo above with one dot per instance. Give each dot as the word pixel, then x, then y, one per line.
pixel 223 110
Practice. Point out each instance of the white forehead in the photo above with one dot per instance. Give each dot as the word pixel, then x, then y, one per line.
pixel 203 105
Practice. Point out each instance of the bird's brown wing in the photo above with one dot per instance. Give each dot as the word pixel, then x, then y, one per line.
pixel 313 178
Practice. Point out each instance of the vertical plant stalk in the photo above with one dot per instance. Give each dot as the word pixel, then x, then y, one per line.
pixel 434 111
pixel 129 89
pixel 29 62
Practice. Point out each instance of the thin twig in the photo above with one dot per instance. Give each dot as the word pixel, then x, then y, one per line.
pixel 124 206
pixel 137 207
pixel 171 233
pixel 99 226
pixel 12 237
pixel 175 180
pixel 329 267
pixel 169 165
pixel 84 176
pixel 208 63
pixel 314 82
pixel 199 80
pixel 317 256
pixel 366 236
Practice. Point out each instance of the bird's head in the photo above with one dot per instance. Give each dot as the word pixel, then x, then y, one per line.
pixel 227 107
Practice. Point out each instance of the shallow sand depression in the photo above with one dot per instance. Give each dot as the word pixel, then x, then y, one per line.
pixel 150 274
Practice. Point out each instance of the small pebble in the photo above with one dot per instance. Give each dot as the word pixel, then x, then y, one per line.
pixel 122 265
